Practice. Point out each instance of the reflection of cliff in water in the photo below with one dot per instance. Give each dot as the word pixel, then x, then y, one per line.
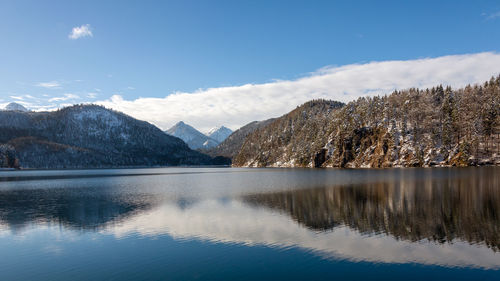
pixel 74 207
pixel 439 210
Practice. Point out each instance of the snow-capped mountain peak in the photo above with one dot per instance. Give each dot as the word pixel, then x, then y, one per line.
pixel 219 133
pixel 15 107
pixel 192 137
pixel 184 131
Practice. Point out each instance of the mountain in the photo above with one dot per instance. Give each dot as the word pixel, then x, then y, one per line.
pixel 219 134
pixel 232 144
pixel 84 136
pixel 192 137
pixel 289 140
pixel 15 107
pixel 431 127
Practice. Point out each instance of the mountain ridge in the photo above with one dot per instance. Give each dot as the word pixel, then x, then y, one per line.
pixel 409 128
pixel 219 134
pixel 191 136
pixel 84 136
pixel 230 147
pixel 13 106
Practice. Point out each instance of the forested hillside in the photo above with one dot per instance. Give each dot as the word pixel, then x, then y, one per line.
pixel 84 136
pixel 414 127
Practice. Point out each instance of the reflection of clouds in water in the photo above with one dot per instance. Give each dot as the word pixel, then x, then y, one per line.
pixel 235 222
pixel 56 231
pixel 53 249
pixel 309 209
pixel 4 229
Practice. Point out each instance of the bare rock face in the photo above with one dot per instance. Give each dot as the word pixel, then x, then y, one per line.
pixel 8 157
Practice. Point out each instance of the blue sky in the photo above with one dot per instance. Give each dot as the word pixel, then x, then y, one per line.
pixel 155 48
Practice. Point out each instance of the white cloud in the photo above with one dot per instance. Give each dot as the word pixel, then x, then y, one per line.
pixel 64 98
pixel 49 85
pixel 92 95
pixel 22 98
pixel 239 105
pixel 80 31
pixel 493 16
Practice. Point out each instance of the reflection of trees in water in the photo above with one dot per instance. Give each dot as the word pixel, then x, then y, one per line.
pixel 441 210
pixel 74 207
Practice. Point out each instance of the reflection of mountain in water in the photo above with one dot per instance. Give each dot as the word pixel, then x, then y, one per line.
pixel 441 210
pixel 74 207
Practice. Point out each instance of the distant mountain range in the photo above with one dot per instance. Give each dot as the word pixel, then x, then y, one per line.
pixel 411 128
pixel 219 134
pixel 197 140
pixel 84 136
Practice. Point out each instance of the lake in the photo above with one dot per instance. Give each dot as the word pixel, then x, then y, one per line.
pixel 251 224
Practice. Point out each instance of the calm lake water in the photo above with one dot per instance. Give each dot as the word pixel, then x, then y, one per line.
pixel 250 224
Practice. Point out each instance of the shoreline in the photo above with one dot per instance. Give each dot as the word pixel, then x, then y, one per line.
pixel 249 167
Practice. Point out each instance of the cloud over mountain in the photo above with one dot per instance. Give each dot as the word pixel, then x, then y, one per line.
pixel 238 105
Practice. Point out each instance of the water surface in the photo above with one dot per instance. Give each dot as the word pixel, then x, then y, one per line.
pixel 247 224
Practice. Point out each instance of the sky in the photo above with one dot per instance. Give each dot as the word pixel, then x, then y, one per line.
pixel 212 63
